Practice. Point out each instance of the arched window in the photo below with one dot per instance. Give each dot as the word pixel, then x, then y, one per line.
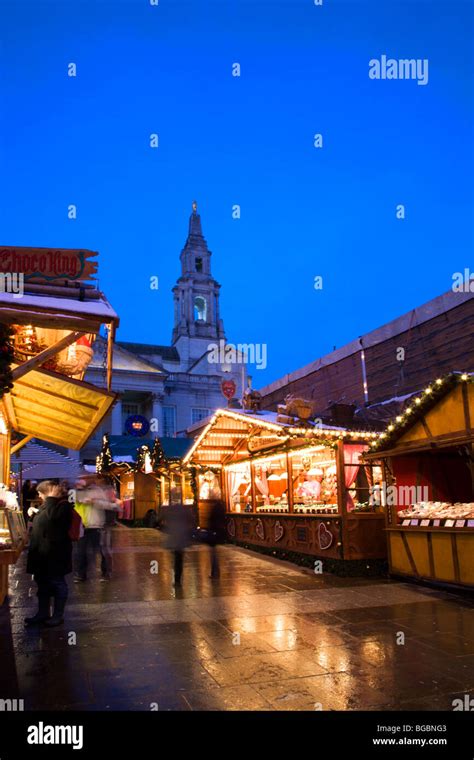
pixel 200 309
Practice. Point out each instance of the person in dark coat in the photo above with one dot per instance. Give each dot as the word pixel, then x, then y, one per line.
pixel 50 553
pixel 216 526
pixel 178 521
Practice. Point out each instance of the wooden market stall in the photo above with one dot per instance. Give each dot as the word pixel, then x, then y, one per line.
pixel 147 472
pixel 292 489
pixel 428 459
pixel 46 338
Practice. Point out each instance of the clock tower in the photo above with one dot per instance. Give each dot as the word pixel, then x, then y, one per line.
pixel 196 296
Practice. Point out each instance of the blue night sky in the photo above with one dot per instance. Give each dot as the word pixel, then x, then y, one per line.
pixel 247 141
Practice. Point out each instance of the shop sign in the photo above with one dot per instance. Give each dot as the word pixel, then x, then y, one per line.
pixel 137 425
pixel 228 388
pixel 262 441
pixel 49 264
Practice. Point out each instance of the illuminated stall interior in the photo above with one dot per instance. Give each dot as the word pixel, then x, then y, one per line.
pixel 147 472
pixel 271 471
pixel 428 458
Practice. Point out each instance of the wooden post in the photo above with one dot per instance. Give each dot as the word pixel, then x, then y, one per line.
pixel 20 444
pixel 110 354
pixel 6 458
pixel 224 490
pixel 253 492
pixel 342 498
pixel 289 488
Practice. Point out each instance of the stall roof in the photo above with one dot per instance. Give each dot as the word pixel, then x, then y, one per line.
pixel 441 415
pixel 40 463
pixel 54 311
pixel 56 408
pixel 124 448
pixel 227 431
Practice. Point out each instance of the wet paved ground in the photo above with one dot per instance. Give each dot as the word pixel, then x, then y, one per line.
pixel 266 636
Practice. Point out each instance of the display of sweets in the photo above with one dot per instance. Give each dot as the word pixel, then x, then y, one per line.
pixel 439 510
pixel 277 507
pixel 316 509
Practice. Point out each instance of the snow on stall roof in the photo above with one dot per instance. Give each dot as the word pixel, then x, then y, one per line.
pixel 269 416
pixel 392 400
pixel 263 416
pixel 99 307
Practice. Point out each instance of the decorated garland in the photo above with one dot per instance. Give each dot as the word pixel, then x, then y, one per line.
pixel 418 407
pixel 6 358
pixel 194 484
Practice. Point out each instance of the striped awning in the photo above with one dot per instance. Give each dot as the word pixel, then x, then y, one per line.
pixel 38 462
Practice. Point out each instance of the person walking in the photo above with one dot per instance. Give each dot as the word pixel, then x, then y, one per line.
pixel 178 526
pixel 113 508
pixel 50 553
pixel 92 504
pixel 216 526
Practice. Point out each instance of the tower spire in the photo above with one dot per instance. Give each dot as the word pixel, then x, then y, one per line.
pixel 195 223
pixel 196 293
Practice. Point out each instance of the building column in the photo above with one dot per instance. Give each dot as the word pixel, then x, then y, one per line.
pixel 116 418
pixel 156 404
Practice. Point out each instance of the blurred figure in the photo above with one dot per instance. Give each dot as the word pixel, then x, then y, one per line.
pixel 178 521
pixel 217 534
pixel 113 509
pixel 28 494
pixel 50 553
pixel 92 503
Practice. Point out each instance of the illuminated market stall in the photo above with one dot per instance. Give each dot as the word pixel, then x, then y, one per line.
pixel 428 461
pixel 147 473
pixel 292 489
pixel 46 337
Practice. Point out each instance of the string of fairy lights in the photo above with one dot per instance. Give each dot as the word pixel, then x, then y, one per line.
pixel 327 435
pixel 419 406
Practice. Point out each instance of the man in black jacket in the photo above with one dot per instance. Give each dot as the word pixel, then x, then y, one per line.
pixel 50 553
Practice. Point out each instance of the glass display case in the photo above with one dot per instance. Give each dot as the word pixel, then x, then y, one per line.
pixel 6 541
pixel 438 514
pixel 315 481
pixel 271 485
pixel 12 529
pixel 239 487
pixel 209 486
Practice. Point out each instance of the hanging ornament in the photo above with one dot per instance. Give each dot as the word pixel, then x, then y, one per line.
pixel 79 357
